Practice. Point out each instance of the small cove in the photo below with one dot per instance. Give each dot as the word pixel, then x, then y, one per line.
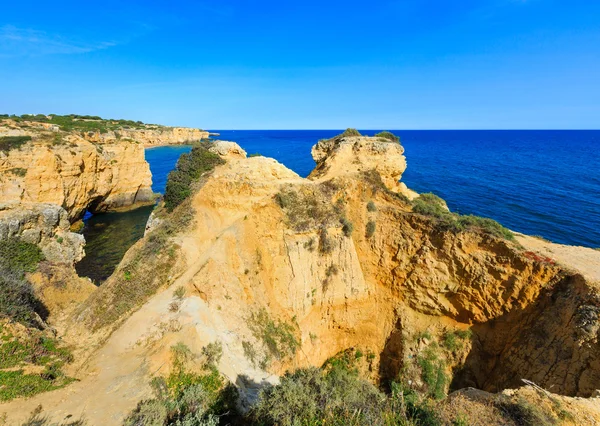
pixel 108 236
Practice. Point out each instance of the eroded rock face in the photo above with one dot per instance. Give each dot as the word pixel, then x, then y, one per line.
pixel 46 225
pixel 77 176
pixel 150 137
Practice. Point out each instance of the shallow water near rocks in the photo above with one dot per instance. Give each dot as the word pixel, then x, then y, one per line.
pixel 108 236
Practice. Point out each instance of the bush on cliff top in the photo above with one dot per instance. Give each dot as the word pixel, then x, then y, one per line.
pixel 188 170
pixel 12 142
pixel 389 136
pixel 351 132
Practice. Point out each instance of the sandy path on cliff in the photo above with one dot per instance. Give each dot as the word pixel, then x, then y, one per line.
pixel 117 375
pixel 581 259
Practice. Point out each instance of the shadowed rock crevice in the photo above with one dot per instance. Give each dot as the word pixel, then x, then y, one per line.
pixel 552 342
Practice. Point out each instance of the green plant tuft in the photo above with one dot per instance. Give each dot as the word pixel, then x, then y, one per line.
pixel 388 136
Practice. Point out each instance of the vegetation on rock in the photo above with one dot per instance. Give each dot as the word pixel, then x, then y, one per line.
pixel 186 397
pixel 12 142
pixel 388 136
pixel 18 301
pixel 277 337
pixel 190 167
pixel 30 348
pixel 429 204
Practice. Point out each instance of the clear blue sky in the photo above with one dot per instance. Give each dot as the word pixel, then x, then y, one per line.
pixel 403 64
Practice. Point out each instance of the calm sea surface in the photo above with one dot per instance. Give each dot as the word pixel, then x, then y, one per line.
pixel 538 182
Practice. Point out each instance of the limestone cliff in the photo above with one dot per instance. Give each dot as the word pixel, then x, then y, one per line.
pixel 76 175
pixel 288 272
pixel 152 136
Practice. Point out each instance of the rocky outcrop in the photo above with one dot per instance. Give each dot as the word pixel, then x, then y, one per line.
pixel 227 150
pixel 46 225
pixel 151 136
pixel 76 175
pixel 348 155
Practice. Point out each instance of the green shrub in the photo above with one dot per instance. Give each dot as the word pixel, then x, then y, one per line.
pixel 433 372
pixel 350 132
pixel 371 207
pixel 213 353
pixel 347 227
pixel 256 154
pixel 12 142
pixel 189 168
pixel 487 225
pixel 18 301
pixel 20 256
pixel 185 397
pixel 388 136
pixel 278 337
pixel 370 229
pixel 325 242
pixel 312 397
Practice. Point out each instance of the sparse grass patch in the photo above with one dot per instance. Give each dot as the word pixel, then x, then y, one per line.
pixel 8 143
pixel 278 337
pixel 32 349
pixel 307 207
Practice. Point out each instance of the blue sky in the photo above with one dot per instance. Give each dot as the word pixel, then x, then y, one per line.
pixel 398 64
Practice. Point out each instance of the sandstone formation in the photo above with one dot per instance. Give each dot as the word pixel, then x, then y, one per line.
pixel 153 136
pixel 336 261
pixel 345 155
pixel 76 176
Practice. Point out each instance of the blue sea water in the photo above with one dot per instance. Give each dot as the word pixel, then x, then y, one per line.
pixel 537 182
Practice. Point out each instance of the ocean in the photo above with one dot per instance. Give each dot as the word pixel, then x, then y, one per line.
pixel 543 183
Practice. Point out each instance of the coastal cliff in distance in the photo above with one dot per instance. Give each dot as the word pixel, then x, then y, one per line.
pixel 80 163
